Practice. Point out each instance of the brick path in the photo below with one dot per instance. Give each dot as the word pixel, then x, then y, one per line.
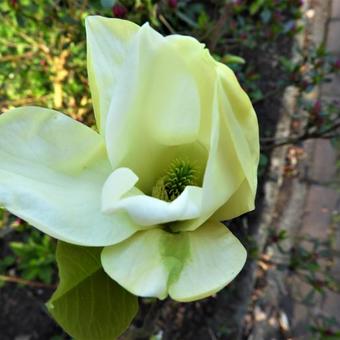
pixel 323 197
pixel 326 173
pixel 306 207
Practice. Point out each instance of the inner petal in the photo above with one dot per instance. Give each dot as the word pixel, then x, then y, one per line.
pixel 174 194
pixel 148 211
pixel 121 181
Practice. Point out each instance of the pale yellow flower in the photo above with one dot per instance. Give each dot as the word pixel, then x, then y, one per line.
pixel 176 154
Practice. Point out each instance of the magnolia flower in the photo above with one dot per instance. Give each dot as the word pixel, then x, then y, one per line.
pixel 176 154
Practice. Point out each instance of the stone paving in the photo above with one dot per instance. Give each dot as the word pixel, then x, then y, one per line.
pixel 306 207
pixel 326 172
pixel 322 202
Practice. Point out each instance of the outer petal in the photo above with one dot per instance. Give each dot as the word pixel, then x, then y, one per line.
pixel 242 122
pixel 216 258
pixel 243 129
pixel 52 170
pixel 107 45
pixel 187 266
pixel 223 173
pixel 137 265
pixel 156 106
pixel 235 108
pixel 241 202
pixel 229 129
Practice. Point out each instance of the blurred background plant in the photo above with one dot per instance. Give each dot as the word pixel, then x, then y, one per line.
pixel 43 62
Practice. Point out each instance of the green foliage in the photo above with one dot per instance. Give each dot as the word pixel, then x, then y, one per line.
pixel 314 66
pixel 47 66
pixel 263 163
pixel 43 62
pixel 326 328
pixel 88 304
pixel 30 256
pixel 6 263
pixel 232 59
pixel 35 258
pixel 265 20
pixel 307 260
pixel 108 3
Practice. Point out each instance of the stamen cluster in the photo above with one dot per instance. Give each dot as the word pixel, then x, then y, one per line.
pixel 180 174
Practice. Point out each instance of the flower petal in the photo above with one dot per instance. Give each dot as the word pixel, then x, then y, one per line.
pixel 223 173
pixel 155 106
pixel 241 202
pixel 228 130
pixel 119 183
pixel 107 45
pixel 223 169
pixel 136 264
pixel 148 211
pixel 187 266
pixel 52 170
pixel 216 258
pixel 242 122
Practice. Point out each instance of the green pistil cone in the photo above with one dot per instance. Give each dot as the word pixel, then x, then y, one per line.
pixel 179 175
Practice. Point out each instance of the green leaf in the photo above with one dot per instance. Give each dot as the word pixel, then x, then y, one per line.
pixel 266 15
pixel 255 7
pixel 233 59
pixel 107 3
pixel 88 304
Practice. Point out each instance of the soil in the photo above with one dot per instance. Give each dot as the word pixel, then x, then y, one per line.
pixel 23 315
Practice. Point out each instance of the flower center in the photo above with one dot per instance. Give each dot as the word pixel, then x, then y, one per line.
pixel 179 175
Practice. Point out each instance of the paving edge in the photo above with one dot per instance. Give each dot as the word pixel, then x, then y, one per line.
pixel 272 318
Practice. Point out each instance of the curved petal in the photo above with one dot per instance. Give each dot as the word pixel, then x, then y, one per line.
pixel 242 122
pixel 240 117
pixel 119 183
pixel 223 173
pixel 148 211
pixel 52 170
pixel 136 264
pixel 228 129
pixel 241 202
pixel 155 106
pixel 203 68
pixel 216 258
pixel 188 266
pixel 107 47
pixel 208 107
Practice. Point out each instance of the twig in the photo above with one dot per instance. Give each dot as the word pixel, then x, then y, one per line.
pixel 23 101
pixel 211 333
pixel 19 280
pixel 84 6
pixel 218 31
pixel 40 45
pixel 268 95
pixel 166 24
pixel 8 58
pixel 326 134
pixel 299 139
